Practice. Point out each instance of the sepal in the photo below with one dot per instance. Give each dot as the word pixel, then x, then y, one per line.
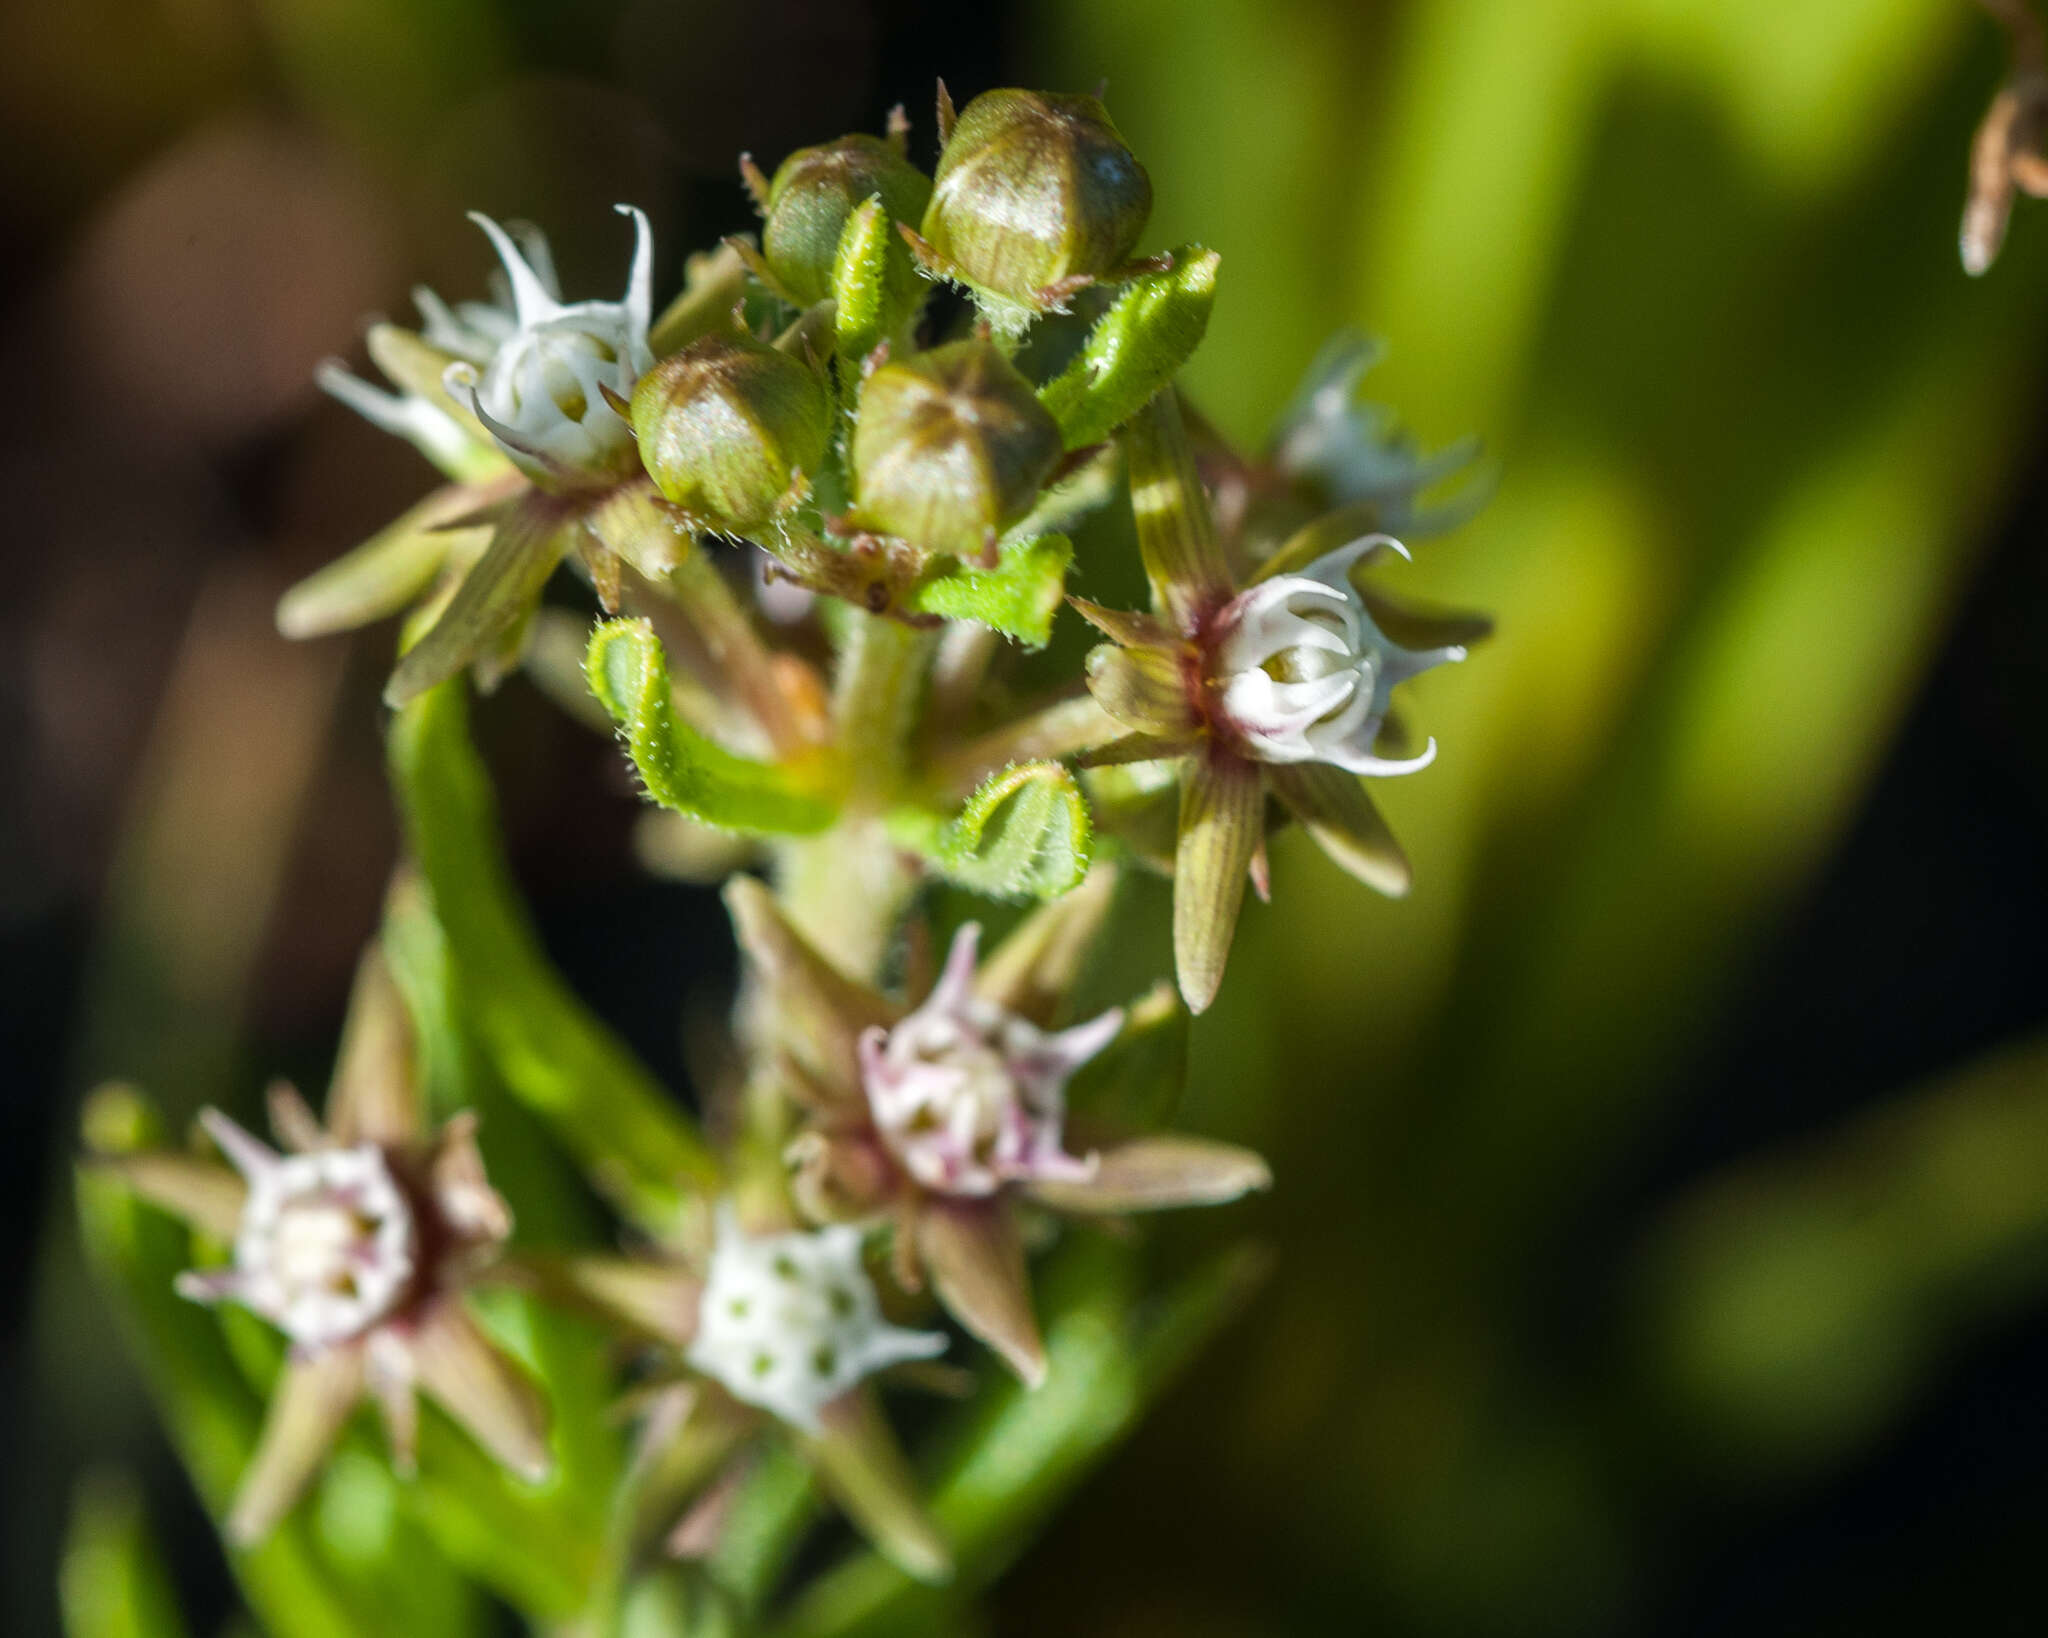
pixel 1222 807
pixel 1335 810
pixel 857 1459
pixel 1159 1173
pixel 972 1251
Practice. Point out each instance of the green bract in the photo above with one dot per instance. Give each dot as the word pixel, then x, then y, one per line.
pixel 727 426
pixel 951 448
pixel 1035 189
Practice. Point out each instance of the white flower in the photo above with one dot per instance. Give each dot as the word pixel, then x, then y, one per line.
pixel 1307 677
pixel 789 1322
pixel 970 1096
pixel 542 392
pixel 327 1245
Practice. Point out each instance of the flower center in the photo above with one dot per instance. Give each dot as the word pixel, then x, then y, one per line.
pixel 328 1244
pixel 789 1322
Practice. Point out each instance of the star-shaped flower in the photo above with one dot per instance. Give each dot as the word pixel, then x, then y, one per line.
pixel 766 1327
pixel 945 1118
pixel 1280 687
pixel 356 1240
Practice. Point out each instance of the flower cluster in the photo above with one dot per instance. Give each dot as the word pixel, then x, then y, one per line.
pixel 896 1142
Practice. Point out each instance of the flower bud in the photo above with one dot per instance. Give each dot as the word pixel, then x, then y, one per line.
pixel 814 191
pixel 727 424
pixel 1035 188
pixel 951 448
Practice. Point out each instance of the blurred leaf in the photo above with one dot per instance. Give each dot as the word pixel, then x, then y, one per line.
pixel 680 768
pixel 1152 328
pixel 1018 597
pixel 387 573
pixel 637 1146
pixel 111 1581
pixel 1024 834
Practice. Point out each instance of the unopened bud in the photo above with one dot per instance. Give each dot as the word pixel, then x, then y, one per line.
pixel 951 448
pixel 1035 190
pixel 814 191
pixel 727 424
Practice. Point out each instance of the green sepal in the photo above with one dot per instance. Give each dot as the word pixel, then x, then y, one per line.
pixel 495 601
pixel 1149 332
pixel 1025 834
pixel 1176 532
pixel 680 768
pixel 387 573
pixel 1018 597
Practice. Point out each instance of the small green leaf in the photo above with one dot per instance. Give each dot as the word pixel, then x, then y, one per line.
pixel 1151 330
pixel 681 769
pixel 1018 597
pixel 1025 833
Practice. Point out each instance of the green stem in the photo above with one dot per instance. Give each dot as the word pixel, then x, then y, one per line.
pixel 735 647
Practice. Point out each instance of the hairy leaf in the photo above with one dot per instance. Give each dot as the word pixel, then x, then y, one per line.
pixel 1152 329
pixel 1024 834
pixel 1018 597
pixel 680 768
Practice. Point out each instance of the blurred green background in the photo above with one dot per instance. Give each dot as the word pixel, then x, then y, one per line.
pixel 1662 1221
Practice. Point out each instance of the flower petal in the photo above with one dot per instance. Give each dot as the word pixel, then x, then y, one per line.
pixel 475 1382
pixel 976 1262
pixel 1222 811
pixel 859 1462
pixel 310 1404
pixel 1160 1172
pixel 1333 807
pixel 203 1193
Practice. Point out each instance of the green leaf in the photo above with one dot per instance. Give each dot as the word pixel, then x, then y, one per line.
pixel 1150 331
pixel 111 1581
pixel 1018 597
pixel 623 1126
pixel 680 768
pixel 1025 834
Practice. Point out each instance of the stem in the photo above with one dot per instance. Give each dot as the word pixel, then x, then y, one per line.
pixel 846 888
pixel 735 648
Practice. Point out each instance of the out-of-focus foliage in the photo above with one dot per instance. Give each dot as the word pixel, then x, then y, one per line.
pixel 1688 267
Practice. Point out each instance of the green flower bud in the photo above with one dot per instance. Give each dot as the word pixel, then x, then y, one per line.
pixel 1035 190
pixel 725 426
pixel 951 448
pixel 813 193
